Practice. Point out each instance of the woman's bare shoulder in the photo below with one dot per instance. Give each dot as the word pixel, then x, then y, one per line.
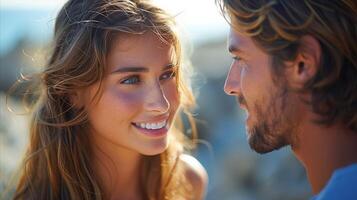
pixel 196 174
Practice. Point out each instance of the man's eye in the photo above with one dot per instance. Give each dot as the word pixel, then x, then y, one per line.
pixel 237 58
pixel 131 80
pixel 241 62
pixel 168 75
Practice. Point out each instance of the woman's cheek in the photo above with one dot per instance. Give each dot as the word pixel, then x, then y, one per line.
pixel 126 100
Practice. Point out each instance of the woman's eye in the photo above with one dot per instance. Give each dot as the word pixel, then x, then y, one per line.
pixel 168 75
pixel 131 80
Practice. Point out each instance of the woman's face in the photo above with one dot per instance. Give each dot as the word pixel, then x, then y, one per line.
pixel 139 96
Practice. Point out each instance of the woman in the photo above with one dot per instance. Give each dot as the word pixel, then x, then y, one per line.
pixel 102 127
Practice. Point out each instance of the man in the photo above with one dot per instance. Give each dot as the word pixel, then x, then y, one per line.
pixel 294 71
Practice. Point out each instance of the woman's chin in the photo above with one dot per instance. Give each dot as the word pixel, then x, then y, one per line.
pixel 155 149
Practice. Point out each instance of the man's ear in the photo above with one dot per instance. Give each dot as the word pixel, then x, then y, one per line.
pixel 306 64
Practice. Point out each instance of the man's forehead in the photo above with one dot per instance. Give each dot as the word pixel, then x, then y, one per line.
pixel 237 41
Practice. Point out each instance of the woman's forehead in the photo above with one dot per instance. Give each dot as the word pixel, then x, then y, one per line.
pixel 140 51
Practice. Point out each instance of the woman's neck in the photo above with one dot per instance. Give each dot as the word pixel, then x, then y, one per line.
pixel 118 170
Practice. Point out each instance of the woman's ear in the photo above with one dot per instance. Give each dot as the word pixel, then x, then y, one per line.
pixel 76 99
pixel 306 64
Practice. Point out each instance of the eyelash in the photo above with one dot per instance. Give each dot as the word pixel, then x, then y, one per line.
pixel 237 58
pixel 171 74
pixel 135 79
pixel 129 80
pixel 240 61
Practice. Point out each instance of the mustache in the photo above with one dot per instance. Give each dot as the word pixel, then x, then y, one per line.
pixel 241 100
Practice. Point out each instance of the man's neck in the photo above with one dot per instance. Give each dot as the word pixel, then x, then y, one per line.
pixel 323 149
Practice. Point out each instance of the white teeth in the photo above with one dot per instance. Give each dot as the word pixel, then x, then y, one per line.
pixel 162 124
pixel 151 125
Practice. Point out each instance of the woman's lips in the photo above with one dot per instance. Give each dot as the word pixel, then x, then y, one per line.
pixel 157 127
pixel 159 132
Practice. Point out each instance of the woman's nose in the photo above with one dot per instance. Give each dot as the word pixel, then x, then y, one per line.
pixel 156 100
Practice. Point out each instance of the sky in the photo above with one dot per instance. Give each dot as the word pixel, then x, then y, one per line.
pixel 200 20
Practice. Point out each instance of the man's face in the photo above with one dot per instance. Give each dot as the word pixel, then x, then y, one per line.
pixel 271 114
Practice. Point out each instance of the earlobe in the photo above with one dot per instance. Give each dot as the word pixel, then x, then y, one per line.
pixel 75 100
pixel 307 62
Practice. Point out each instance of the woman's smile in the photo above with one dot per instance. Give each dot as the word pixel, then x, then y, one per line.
pixel 155 127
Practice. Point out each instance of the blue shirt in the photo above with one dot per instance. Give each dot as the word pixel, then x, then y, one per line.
pixel 341 186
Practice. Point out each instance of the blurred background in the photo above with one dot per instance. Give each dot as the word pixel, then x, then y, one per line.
pixel 235 172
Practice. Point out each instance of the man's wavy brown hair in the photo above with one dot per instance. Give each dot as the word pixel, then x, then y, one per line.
pixel 277 27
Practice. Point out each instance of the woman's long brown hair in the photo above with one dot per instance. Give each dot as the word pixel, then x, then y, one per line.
pixel 56 165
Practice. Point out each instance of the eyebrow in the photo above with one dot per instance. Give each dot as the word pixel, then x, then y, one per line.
pixel 234 49
pixel 139 69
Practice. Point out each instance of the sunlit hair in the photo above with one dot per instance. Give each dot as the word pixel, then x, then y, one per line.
pixel 277 27
pixel 57 163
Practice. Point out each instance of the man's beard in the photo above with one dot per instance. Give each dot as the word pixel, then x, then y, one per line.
pixel 275 127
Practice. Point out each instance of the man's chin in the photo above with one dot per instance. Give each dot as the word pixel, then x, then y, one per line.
pixel 259 148
pixel 261 144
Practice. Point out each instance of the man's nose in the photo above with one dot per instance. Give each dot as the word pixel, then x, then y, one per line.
pixel 232 84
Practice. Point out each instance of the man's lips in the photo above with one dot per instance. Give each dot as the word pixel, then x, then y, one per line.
pixel 243 107
pixel 242 103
